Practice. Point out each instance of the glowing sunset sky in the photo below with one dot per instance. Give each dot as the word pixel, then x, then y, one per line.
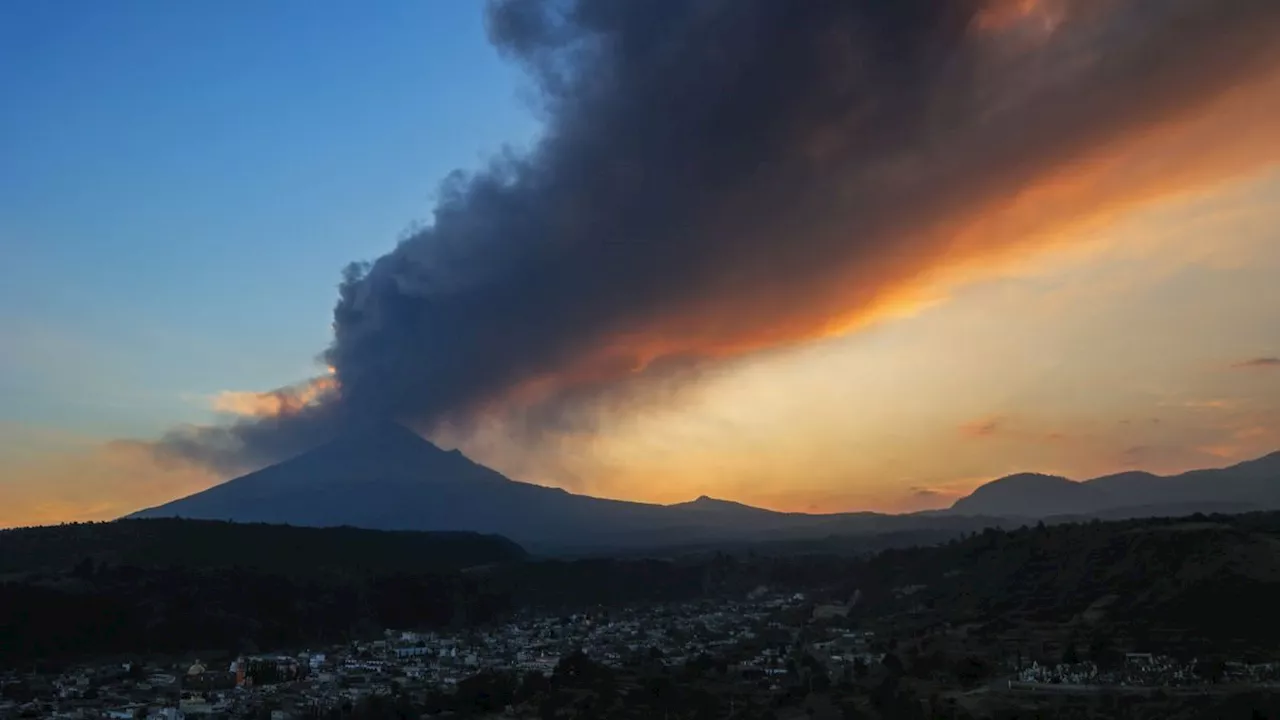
pixel 1048 275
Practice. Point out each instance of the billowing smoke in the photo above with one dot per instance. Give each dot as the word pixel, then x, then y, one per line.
pixel 719 177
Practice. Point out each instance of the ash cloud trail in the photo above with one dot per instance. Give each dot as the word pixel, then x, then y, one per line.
pixel 725 176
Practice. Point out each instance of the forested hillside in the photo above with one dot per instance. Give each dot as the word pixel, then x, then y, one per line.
pixel 1203 579
pixel 194 544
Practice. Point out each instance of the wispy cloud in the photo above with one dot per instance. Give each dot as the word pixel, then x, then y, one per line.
pixel 1213 404
pixel 1222 452
pixel 939 495
pixel 1005 427
pixel 1136 453
pixel 1259 363
pixel 927 499
pixel 982 427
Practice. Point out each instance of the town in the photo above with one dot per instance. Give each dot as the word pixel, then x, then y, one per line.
pixel 411 662
pixel 766 643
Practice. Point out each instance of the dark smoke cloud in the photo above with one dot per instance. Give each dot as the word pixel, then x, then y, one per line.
pixel 252 443
pixel 723 176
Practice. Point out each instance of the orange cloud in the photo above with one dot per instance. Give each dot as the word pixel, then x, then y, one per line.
pixel 1216 404
pixel 1190 150
pixel 988 427
pixel 1005 15
pixel 985 427
pixel 937 496
pixel 283 401
pixel 1224 452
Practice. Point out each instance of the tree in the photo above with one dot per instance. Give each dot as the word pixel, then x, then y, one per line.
pixel 971 670
pixel 819 680
pixel 578 670
pixel 532 685
pixel 1213 670
pixel 1069 655
pixel 699 666
pixel 1102 650
pixel 849 711
pixel 486 692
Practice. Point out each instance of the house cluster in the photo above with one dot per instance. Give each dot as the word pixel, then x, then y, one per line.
pixel 1138 670
pixel 848 648
pixel 1252 674
pixel 290 685
pixel 670 634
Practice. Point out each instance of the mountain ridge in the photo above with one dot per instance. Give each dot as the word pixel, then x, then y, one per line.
pixel 387 477
pixel 1248 485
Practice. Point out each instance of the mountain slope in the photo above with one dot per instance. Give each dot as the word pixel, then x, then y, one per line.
pixel 389 478
pixel 1251 485
pixel 1026 494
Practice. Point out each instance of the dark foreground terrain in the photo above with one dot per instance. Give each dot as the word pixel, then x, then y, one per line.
pixel 1155 618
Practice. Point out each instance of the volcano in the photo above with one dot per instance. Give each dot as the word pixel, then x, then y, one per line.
pixel 389 478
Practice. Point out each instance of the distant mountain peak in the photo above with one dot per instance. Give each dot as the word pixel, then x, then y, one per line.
pixel 705 501
pixel 1030 478
pixel 384 475
pixel 708 504
pixel 1027 494
pixel 1253 484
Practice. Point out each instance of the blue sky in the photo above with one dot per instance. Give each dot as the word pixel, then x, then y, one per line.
pixel 183 182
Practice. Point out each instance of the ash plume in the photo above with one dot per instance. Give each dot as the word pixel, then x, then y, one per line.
pixel 719 177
